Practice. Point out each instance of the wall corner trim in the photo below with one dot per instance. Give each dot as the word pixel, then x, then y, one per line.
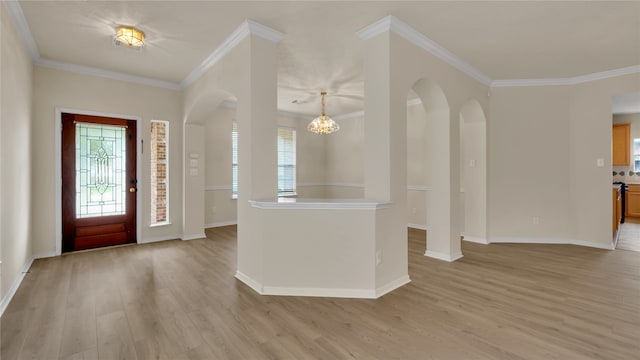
pixel 263 31
pixel 86 70
pixel 417 226
pixel 551 241
pixel 6 300
pixel 404 30
pixel 20 22
pixel 193 236
pixel 392 285
pixel 443 256
pixel 245 29
pixel 629 70
pixel 475 239
pixel 220 223
pixel 256 286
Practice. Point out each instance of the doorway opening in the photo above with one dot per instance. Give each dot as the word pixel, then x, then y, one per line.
pixel 626 170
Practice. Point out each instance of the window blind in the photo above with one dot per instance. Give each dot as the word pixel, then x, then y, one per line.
pixel 234 158
pixel 286 161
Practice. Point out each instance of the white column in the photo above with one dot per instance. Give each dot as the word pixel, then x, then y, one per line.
pixel 386 157
pixel 443 234
pixel 257 153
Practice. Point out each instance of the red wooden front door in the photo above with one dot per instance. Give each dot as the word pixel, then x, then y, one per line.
pixel 98 181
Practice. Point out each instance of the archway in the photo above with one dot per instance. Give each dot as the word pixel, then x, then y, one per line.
pixel 193 221
pixel 473 172
pixel 441 175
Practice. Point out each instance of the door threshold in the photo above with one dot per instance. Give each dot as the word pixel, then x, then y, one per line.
pixel 98 248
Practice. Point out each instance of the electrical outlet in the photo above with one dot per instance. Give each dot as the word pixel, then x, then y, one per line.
pixel 378 257
pixel 413 210
pixel 536 220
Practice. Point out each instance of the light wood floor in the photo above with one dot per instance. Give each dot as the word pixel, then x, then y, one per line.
pixel 179 300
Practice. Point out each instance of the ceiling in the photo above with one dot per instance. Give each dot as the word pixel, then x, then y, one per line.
pixel 320 50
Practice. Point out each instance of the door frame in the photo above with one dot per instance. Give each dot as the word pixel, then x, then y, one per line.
pixel 58 178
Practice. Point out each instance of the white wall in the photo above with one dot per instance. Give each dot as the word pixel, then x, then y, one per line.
pixel 345 160
pixel 61 89
pixel 345 173
pixel 529 169
pixel 220 208
pixel 15 156
pixel 590 138
pixel 544 143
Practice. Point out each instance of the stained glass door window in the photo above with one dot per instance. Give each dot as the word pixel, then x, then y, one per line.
pixel 100 170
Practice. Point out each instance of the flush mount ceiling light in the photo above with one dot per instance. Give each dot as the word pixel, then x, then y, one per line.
pixel 323 124
pixel 129 36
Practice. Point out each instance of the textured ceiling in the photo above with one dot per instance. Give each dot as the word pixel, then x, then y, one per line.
pixel 320 51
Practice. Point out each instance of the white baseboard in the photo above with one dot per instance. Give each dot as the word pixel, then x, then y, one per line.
pixel 515 240
pixel 417 226
pixel 220 223
pixel 256 286
pixel 14 287
pixel 382 290
pixel 193 237
pixel 45 255
pixel 322 292
pixel 443 256
pixel 159 238
pixel 475 239
pixel 611 246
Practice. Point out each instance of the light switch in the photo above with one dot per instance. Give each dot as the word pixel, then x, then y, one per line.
pixel 472 163
pixel 193 171
pixel 193 163
pixel 600 162
pixel 194 155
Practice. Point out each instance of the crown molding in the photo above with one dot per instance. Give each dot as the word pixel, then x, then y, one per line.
pixel 381 26
pixel 352 115
pixel 245 29
pixel 568 81
pixel 296 116
pixel 231 104
pixel 86 70
pixel 392 23
pixel 248 27
pixel 20 22
pixel 263 31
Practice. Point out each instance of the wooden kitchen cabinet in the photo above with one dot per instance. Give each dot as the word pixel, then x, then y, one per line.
pixel 621 145
pixel 633 201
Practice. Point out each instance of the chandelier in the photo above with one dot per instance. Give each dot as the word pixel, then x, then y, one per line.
pixel 323 124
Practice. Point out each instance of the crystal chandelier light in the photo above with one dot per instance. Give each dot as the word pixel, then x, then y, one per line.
pixel 323 124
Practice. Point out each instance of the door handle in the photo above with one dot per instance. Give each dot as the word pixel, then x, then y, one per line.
pixel 133 189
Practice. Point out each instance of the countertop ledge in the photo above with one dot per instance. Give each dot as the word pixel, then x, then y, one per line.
pixel 320 204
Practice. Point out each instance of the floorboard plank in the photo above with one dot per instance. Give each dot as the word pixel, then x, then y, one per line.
pixel 179 300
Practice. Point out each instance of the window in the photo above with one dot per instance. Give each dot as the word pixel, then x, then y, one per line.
pixel 159 172
pixel 636 155
pixel 234 159
pixel 286 161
